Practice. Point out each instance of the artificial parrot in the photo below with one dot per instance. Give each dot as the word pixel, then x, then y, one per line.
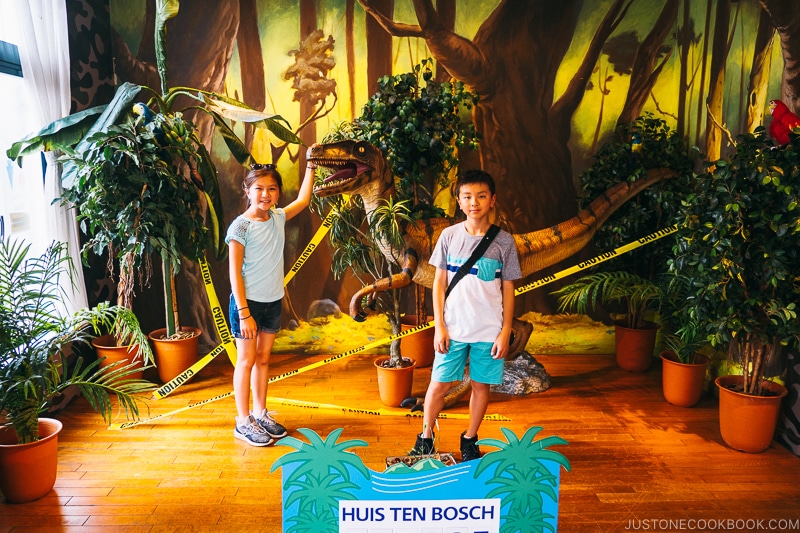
pixel 146 115
pixel 783 122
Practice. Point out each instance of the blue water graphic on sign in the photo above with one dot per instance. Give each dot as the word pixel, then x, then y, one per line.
pixel 326 487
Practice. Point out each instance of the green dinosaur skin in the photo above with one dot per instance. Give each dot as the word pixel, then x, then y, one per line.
pixel 360 168
pixel 371 178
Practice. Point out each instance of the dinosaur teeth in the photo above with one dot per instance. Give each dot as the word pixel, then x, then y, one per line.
pixel 349 170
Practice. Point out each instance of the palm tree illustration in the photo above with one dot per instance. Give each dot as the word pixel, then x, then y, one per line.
pixel 522 478
pixel 318 499
pixel 321 479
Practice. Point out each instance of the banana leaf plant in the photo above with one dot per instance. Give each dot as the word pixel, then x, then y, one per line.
pixel 101 144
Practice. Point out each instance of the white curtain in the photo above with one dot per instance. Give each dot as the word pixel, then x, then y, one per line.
pixel 44 55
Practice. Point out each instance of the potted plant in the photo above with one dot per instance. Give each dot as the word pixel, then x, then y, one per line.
pixel 739 243
pixel 639 300
pixel 356 250
pixel 35 369
pixel 683 368
pixel 134 203
pixel 143 182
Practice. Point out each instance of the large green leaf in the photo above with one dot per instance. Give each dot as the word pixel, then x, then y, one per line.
pixel 238 149
pixel 119 106
pixel 282 133
pixel 235 110
pixel 62 133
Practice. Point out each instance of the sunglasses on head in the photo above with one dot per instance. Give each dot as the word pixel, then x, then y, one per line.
pixel 260 166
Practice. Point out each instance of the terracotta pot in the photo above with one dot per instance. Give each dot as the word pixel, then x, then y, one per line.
pixel 174 356
pixel 394 384
pixel 419 345
pixel 635 347
pixel 682 383
pixel 108 352
pixel 747 423
pixel 28 471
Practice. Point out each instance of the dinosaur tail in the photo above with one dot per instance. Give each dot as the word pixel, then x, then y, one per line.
pixel 541 249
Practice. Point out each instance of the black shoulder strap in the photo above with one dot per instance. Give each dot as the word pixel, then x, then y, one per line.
pixel 464 269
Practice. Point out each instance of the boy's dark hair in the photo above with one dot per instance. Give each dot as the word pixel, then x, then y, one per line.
pixel 474 176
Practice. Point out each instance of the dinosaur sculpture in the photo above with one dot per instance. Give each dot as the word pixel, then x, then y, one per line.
pixel 360 168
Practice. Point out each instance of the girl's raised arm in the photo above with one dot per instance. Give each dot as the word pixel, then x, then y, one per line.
pixel 303 195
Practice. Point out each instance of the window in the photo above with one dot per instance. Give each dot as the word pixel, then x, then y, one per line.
pixel 18 194
pixel 38 28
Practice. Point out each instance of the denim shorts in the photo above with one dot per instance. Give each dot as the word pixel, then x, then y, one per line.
pixel 267 315
pixel 483 368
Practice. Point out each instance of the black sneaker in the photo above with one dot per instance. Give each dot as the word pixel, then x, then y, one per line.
pixel 270 425
pixel 423 446
pixel 469 448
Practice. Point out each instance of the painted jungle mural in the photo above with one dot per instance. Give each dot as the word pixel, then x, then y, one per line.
pixel 554 82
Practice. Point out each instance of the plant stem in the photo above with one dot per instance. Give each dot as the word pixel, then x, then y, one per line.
pixel 169 298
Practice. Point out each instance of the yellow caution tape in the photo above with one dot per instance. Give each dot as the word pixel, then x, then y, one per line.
pixel 217 312
pixel 310 405
pixel 525 288
pixel 219 315
pixel 312 245
pixel 375 412
pixel 184 376
pixel 597 260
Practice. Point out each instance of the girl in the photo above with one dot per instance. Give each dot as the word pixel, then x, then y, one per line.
pixel 255 240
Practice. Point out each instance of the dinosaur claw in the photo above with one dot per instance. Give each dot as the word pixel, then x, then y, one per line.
pixel 416 404
pixel 409 402
pixel 360 317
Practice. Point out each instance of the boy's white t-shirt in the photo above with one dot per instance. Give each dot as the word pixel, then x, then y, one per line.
pixel 262 269
pixel 473 312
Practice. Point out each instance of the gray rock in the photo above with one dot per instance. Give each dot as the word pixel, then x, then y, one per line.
pixel 323 308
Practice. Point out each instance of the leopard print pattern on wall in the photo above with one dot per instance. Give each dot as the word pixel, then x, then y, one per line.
pixel 91 62
pixel 91 84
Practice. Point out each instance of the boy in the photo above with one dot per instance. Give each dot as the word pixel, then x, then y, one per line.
pixel 476 318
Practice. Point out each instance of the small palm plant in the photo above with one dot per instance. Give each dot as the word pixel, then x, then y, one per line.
pixel 320 480
pixel 641 297
pixel 684 333
pixel 523 478
pixel 34 339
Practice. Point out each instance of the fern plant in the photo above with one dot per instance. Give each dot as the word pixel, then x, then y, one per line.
pixel 640 296
pixel 35 337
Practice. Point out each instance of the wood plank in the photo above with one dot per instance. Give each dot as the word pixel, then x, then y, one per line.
pixel 633 456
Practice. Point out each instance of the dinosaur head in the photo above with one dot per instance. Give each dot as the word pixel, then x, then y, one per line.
pixel 354 164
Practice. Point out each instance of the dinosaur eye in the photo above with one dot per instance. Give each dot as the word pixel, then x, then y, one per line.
pixel 361 149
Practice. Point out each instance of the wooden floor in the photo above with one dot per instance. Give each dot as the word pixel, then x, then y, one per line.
pixel 637 462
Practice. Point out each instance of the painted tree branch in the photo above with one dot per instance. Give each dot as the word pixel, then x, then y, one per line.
pixel 785 16
pixel 645 72
pixel 565 107
pixel 458 55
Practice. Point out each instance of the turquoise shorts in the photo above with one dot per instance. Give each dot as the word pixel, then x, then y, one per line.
pixel 482 367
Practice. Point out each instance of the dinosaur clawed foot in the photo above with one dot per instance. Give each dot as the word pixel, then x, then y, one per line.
pixel 416 404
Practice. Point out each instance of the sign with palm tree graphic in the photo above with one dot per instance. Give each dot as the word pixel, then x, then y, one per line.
pixel 327 488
